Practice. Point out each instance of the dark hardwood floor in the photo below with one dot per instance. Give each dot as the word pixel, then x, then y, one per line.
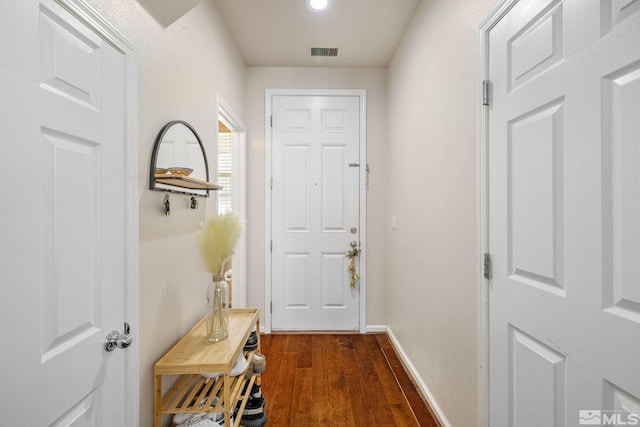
pixel 338 380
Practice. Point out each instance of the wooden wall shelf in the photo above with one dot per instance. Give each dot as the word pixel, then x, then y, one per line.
pixel 185 182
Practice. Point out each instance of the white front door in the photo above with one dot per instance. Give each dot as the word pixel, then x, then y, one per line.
pixel 64 262
pixel 315 211
pixel 564 214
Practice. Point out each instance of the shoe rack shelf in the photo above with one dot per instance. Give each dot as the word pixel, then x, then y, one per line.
pixel 194 355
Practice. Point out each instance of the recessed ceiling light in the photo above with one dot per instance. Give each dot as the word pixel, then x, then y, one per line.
pixel 318 5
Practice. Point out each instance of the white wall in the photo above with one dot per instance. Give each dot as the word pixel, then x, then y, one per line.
pixel 431 295
pixel 374 81
pixel 181 69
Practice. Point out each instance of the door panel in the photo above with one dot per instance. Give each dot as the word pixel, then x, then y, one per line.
pixel 297 271
pixel 334 283
pixel 537 46
pixel 535 198
pixel 534 368
pixel 564 168
pixel 297 186
pixel 69 59
pixel 64 147
pixel 315 203
pixel 334 188
pixel 621 191
pixel 70 167
pixel 614 12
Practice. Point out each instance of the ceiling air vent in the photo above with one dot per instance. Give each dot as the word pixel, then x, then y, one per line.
pixel 327 52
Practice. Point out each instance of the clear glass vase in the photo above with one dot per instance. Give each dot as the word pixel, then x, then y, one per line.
pixel 217 309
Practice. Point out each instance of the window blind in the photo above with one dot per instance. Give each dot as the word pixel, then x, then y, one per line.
pixel 225 203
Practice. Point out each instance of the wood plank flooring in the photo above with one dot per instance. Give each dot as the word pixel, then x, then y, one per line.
pixel 338 380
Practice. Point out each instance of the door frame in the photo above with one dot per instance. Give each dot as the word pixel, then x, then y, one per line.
pixel 482 206
pixel 362 95
pixel 226 113
pixel 93 20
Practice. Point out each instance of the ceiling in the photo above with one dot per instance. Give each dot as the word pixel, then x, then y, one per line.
pixel 280 33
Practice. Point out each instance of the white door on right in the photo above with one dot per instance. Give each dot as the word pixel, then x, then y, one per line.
pixel 564 214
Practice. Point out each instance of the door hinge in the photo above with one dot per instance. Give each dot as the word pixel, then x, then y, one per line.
pixel 271 183
pixel 271 121
pixel 487 266
pixel 270 245
pixel 271 307
pixel 486 90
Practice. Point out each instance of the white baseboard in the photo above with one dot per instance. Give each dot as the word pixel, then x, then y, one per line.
pixel 417 379
pixel 372 329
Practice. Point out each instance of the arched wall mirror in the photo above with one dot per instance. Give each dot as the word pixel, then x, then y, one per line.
pixel 179 162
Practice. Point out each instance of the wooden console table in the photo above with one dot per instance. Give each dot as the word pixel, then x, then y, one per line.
pixel 194 355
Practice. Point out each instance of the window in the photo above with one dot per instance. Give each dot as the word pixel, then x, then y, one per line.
pixel 225 167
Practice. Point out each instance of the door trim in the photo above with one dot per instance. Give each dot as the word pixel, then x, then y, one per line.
pixel 93 20
pixel 225 112
pixel 482 207
pixel 362 94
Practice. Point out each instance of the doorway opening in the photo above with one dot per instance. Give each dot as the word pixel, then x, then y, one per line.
pixel 230 172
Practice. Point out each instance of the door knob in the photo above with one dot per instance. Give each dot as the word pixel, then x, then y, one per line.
pixel 116 339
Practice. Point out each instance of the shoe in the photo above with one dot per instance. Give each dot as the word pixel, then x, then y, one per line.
pixel 208 419
pixel 252 342
pixel 254 407
pixel 182 417
pixel 256 391
pixel 239 367
pixel 258 363
pixel 254 421
pixel 253 414
pixel 219 420
pixel 198 421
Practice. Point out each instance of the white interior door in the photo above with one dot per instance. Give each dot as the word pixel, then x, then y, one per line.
pixel 564 214
pixel 315 211
pixel 63 152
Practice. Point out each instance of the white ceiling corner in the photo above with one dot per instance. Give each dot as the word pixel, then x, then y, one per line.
pixel 279 33
pixel 166 12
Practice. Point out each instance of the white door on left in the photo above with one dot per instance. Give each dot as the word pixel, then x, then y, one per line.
pixel 63 155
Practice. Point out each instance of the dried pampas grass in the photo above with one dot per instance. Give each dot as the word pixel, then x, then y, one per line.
pixel 218 239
